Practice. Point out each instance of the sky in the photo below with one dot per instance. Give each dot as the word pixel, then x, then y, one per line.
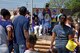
pixel 12 4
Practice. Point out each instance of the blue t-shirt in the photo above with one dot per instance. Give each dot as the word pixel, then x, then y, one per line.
pixel 6 24
pixel 62 35
pixel 47 22
pixel 20 24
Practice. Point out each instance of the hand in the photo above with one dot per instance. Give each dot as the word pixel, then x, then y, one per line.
pixel 51 48
pixel 9 38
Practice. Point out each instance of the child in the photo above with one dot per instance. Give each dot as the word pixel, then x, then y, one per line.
pixel 31 41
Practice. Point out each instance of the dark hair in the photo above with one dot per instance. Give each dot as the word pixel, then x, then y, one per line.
pixel 64 16
pixel 61 10
pixel 22 10
pixel 15 12
pixel 35 16
pixel 47 5
pixel 5 12
pixel 28 12
pixel 32 39
pixel 69 18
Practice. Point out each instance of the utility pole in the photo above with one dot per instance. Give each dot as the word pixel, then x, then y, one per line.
pixel 31 10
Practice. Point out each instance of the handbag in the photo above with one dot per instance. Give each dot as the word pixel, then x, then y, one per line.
pixel 71 45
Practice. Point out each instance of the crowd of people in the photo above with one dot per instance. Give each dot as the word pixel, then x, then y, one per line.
pixel 16 31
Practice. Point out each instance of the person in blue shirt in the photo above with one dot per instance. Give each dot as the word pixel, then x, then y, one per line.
pixel 21 27
pixel 47 23
pixel 7 25
pixel 61 33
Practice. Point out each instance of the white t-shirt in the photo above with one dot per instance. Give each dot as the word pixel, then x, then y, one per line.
pixel 28 51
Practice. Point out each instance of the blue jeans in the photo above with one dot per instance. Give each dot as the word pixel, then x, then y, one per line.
pixel 22 48
pixel 16 48
pixel 62 50
pixel 19 48
pixel 10 46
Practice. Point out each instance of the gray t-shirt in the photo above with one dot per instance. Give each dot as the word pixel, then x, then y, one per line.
pixel 3 36
pixel 62 34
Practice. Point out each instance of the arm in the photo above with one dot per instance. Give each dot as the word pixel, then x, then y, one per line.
pixel 25 29
pixel 76 39
pixel 26 33
pixel 9 32
pixel 71 34
pixel 53 36
pixel 52 39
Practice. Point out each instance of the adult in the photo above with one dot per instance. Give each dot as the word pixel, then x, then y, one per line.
pixel 37 28
pixel 69 21
pixel 7 25
pixel 53 19
pixel 15 13
pixel 61 13
pixel 47 10
pixel 13 17
pixel 77 37
pixel 41 19
pixel 61 34
pixel 47 23
pixel 21 27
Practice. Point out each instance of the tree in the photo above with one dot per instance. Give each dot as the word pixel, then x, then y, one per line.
pixel 57 3
pixel 74 5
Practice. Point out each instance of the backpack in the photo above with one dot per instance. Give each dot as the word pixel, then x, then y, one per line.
pixel 3 35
